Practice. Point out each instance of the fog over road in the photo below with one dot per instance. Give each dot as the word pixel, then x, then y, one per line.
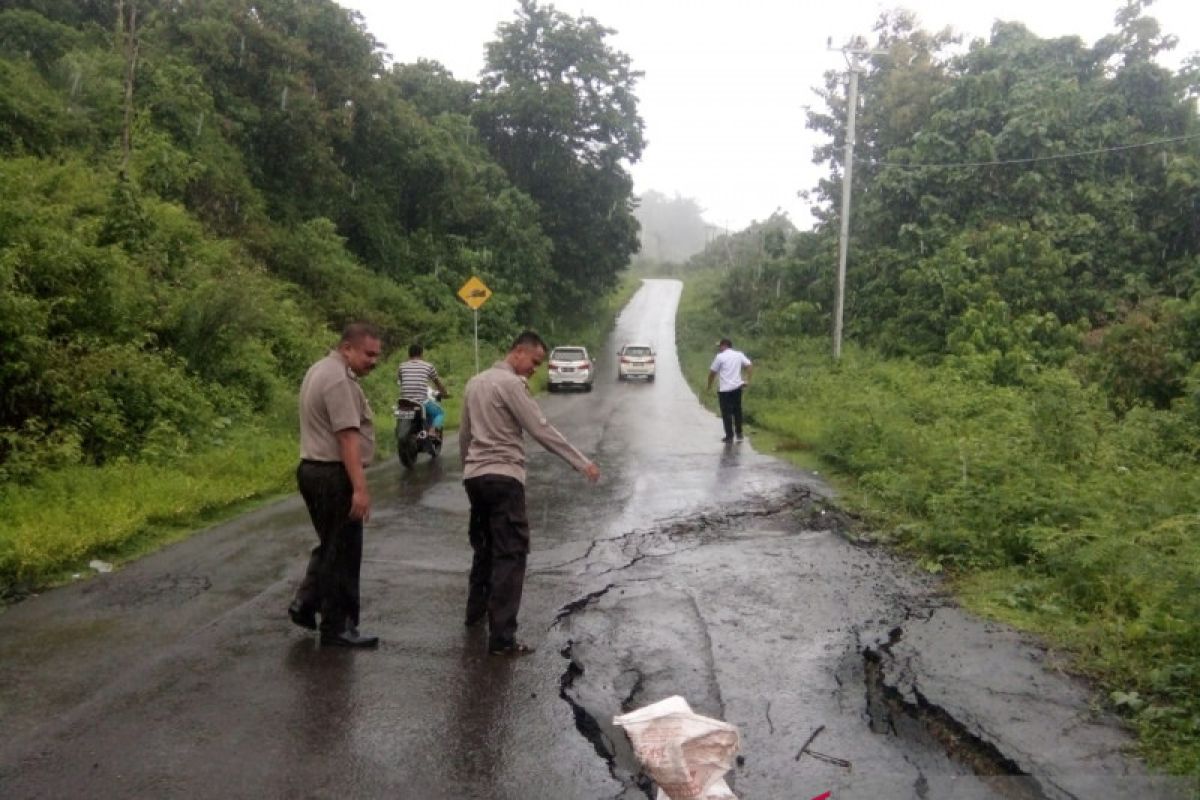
pixel 694 568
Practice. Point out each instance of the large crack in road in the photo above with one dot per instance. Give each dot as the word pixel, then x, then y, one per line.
pixel 657 629
pixel 890 712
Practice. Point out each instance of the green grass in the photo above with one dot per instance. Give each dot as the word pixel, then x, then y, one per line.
pixel 50 528
pixel 56 524
pixel 1043 509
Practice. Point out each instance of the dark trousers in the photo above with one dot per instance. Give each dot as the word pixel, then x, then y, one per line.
pixel 731 411
pixel 330 583
pixel 499 533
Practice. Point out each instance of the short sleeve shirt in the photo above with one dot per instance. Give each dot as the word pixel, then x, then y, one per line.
pixel 728 366
pixel 330 401
pixel 414 376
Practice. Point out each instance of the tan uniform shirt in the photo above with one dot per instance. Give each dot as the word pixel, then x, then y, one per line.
pixel 330 401
pixel 497 407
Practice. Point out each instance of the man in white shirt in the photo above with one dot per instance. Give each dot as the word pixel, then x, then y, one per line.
pixel 727 367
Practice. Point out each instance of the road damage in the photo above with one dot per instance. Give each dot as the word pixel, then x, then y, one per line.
pixel 647 633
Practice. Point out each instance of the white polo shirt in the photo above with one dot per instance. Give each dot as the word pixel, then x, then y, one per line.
pixel 728 366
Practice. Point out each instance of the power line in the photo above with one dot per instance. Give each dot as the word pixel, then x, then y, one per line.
pixel 1035 160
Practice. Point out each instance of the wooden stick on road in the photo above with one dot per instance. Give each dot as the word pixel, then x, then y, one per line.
pixel 828 759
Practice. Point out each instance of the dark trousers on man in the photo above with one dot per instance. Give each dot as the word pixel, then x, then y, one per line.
pixel 731 412
pixel 330 583
pixel 499 533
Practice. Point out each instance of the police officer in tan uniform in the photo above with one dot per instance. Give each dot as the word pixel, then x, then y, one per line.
pixel 497 413
pixel 337 442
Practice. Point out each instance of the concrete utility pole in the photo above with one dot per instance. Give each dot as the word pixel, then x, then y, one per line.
pixel 854 68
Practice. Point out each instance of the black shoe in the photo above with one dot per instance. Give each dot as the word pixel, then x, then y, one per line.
pixel 302 615
pixel 511 649
pixel 348 638
pixel 741 438
pixel 726 439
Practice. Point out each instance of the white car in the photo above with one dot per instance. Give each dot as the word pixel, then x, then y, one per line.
pixel 570 366
pixel 635 361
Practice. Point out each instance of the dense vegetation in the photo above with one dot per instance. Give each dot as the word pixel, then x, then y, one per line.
pixel 198 194
pixel 1019 402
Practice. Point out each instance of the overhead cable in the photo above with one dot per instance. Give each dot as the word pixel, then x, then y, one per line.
pixel 1035 160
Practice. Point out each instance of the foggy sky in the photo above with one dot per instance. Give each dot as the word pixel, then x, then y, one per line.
pixel 726 82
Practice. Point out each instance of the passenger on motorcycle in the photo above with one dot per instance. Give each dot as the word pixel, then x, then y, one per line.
pixel 435 417
pixel 415 376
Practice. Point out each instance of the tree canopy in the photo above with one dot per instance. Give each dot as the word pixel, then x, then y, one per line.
pixel 557 110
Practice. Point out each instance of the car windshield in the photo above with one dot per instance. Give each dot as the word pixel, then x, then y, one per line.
pixel 568 354
pixel 637 351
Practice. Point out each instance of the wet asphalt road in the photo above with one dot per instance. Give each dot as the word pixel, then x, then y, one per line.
pixel 694 568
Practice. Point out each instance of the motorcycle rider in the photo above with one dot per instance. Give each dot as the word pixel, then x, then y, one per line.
pixel 415 376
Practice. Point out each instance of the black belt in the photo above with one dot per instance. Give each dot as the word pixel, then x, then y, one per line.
pixel 308 462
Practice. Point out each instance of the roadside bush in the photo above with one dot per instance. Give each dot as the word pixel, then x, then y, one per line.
pixel 119 397
pixel 1144 358
pixel 60 518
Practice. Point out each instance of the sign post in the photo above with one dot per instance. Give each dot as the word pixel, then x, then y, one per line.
pixel 475 293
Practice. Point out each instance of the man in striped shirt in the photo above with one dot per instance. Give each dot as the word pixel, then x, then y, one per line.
pixel 415 375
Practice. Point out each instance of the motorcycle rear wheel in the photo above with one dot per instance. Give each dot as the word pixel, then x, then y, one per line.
pixel 406 449
pixel 407 455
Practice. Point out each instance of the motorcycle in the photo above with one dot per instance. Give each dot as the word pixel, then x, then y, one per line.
pixel 412 438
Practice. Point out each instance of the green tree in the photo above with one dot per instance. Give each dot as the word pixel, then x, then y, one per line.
pixel 171 264
pixel 432 89
pixel 557 110
pixel 1023 222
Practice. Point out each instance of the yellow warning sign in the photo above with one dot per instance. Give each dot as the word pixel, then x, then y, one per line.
pixel 474 292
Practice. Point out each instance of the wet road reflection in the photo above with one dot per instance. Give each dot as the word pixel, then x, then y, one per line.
pixel 477 713
pixel 323 712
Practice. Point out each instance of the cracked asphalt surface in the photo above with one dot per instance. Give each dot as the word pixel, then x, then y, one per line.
pixel 695 568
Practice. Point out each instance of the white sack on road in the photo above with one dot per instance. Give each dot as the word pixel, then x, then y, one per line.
pixel 686 754
pixel 718 791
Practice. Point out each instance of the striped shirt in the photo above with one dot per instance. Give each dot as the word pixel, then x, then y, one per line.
pixel 415 376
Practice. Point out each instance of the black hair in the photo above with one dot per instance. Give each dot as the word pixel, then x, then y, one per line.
pixel 528 338
pixel 415 350
pixel 357 331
